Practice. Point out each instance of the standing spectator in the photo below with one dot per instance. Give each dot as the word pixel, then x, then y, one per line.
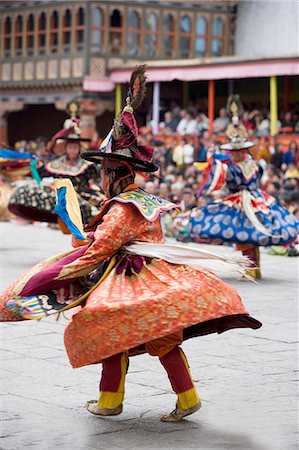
pixel 188 151
pixel 178 154
pixel 221 122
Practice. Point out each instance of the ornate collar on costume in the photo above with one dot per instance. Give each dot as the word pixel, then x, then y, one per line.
pixel 147 204
pixel 248 168
pixel 62 166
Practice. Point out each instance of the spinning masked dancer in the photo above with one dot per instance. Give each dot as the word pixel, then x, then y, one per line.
pixel 135 292
pixel 246 216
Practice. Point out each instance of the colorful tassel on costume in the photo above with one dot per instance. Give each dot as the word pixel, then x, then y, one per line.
pixel 67 207
pixel 34 171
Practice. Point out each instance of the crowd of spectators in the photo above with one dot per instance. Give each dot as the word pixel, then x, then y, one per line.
pixel 193 121
pixel 178 180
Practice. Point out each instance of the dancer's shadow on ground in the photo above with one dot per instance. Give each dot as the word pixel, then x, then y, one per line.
pixel 148 432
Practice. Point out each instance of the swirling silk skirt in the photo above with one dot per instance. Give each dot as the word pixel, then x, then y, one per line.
pixel 259 221
pixel 38 202
pixel 125 312
pixel 128 309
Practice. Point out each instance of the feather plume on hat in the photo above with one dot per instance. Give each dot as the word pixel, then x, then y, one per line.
pixel 121 143
pixel 134 98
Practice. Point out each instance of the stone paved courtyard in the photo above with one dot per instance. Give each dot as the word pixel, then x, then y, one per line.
pixel 246 379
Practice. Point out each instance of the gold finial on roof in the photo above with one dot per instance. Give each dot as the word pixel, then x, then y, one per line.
pixel 234 109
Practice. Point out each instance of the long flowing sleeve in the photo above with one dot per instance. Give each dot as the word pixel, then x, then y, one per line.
pixel 115 230
pixel 214 176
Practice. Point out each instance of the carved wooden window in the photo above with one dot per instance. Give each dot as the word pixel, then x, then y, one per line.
pixel 7 37
pixel 97 30
pixel 54 27
pixel 151 35
pixel 80 22
pixel 30 35
pixel 217 44
pixel 67 31
pixel 168 35
pixel 115 32
pixel 19 36
pixel 42 26
pixel 133 36
pixel 185 37
pixel 201 28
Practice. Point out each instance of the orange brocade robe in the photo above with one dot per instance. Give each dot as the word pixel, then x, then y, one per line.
pixel 125 312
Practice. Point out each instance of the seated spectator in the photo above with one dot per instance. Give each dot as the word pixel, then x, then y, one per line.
pixel 277 158
pixel 187 125
pixel 290 155
pixel 164 190
pixel 170 122
pixel 202 123
pixel 287 124
pixel 263 151
pixel 291 172
pixel 263 128
pixel 221 122
pixel 248 124
pixel 188 200
pixel 150 187
pixel 273 189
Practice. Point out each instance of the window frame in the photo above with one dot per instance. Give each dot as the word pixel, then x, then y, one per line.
pixel 18 35
pixel 41 32
pixel 54 31
pixel 116 30
pixel 7 37
pixel 134 31
pixel 204 36
pixel 171 34
pixel 183 34
pixel 80 27
pixel 30 34
pixel 67 48
pixel 148 33
pixel 101 28
pixel 220 37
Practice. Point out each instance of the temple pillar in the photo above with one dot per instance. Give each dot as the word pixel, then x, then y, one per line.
pixel 211 104
pixel 156 106
pixel 273 106
pixel 118 99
